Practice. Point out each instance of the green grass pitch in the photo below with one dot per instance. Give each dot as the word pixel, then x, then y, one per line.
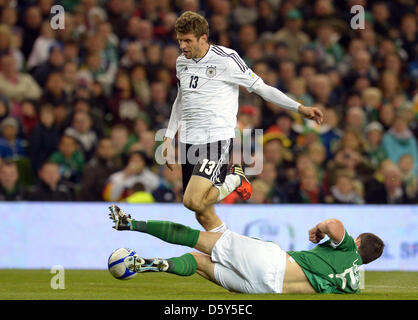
pixel 17 284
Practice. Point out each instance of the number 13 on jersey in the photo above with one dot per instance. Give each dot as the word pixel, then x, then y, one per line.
pixel 193 82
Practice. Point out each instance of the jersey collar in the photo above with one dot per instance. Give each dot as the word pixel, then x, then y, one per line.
pixel 206 54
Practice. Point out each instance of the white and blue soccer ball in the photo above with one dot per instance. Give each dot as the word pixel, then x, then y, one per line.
pixel 118 263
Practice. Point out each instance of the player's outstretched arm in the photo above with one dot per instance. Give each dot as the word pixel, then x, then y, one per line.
pixel 277 97
pixel 333 228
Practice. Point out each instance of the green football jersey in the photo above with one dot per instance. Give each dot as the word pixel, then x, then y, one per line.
pixel 331 267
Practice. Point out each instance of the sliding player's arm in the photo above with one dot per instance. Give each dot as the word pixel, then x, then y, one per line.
pixel 333 228
pixel 173 126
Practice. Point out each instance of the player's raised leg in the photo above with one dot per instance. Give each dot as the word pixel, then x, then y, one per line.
pixel 201 194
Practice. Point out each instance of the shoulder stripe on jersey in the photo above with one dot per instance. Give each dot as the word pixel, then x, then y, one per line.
pixel 234 57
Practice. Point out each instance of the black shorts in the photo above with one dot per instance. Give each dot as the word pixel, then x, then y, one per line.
pixel 209 161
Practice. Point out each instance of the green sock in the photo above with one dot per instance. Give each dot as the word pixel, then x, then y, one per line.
pixel 168 231
pixel 182 266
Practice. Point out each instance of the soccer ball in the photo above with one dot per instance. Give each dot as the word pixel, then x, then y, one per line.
pixel 118 263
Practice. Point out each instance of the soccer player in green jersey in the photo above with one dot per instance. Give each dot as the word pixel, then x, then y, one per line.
pixel 242 264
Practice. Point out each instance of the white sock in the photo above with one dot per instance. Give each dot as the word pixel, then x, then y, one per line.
pixel 222 228
pixel 231 183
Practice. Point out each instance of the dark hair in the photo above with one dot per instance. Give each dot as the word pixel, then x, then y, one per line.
pixel 192 22
pixel 371 247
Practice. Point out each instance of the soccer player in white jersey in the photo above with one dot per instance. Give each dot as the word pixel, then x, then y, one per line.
pixel 205 111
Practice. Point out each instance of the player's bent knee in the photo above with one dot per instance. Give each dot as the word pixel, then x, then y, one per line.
pixel 193 203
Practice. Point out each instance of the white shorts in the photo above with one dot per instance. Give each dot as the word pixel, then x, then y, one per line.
pixel 248 265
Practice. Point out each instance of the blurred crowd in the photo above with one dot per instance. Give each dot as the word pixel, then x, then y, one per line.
pixel 80 106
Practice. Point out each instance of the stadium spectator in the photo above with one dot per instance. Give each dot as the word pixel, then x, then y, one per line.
pixel 362 68
pixel 146 144
pixel 320 88
pixel 247 36
pixel 124 105
pixel 374 149
pixel 54 92
pixel 69 77
pixel 32 22
pixel 81 130
pixel 298 91
pixel 9 16
pixel 399 140
pixel 134 54
pixel 274 149
pixel 343 191
pixel 55 62
pixel 308 189
pixel 391 191
pixel 245 12
pixel 44 138
pixel 372 98
pixel 390 86
pixel 69 159
pixel 118 16
pixel 10 43
pixel 141 126
pixel 409 36
pixel 269 176
pixel 135 171
pixel 119 135
pixel 140 83
pixel 14 85
pixel 331 133
pixel 11 146
pixel 170 188
pixel 387 114
pixel 409 176
pixel 355 119
pixel 159 109
pixel 72 51
pixel 49 186
pixel 10 187
pixel 327 49
pixel 100 64
pixel 317 153
pixel 96 172
pixel 292 35
pixel 40 50
pixel 96 115
pixel 29 117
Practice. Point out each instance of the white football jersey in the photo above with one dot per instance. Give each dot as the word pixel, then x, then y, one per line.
pixel 207 98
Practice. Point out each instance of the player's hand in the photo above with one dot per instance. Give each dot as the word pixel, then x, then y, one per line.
pixel 168 153
pixel 315 235
pixel 312 113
